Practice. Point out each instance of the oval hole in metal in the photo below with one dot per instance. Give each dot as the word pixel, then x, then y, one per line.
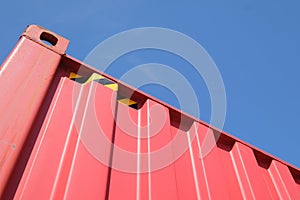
pixel 48 39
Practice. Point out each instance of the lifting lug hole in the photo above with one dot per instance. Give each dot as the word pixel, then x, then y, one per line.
pixel 48 39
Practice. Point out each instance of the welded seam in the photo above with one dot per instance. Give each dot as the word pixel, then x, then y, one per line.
pixel 78 140
pixel 149 151
pixel 193 165
pixel 202 162
pixel 111 159
pixel 66 144
pixel 42 139
pixel 138 156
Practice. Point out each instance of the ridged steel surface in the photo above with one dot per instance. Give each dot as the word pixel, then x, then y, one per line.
pixel 67 132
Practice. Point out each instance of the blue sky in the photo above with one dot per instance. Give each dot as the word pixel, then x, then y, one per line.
pixel 255 45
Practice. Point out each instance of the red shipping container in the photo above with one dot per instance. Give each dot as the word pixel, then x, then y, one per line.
pixel 67 133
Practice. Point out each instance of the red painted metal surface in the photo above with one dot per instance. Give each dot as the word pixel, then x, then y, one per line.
pixel 61 138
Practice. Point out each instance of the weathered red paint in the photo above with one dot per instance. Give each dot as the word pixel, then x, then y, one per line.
pixel 50 147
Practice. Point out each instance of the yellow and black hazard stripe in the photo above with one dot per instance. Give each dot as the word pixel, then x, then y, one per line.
pixel 78 78
pixel 103 81
pixel 127 102
pixel 94 77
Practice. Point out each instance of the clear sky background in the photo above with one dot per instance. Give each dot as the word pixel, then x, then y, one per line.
pixel 255 44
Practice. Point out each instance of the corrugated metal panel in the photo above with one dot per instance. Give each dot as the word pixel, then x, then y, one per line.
pixel 52 147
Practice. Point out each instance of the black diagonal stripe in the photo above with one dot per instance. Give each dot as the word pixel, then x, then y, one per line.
pixel 104 81
pixel 80 80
